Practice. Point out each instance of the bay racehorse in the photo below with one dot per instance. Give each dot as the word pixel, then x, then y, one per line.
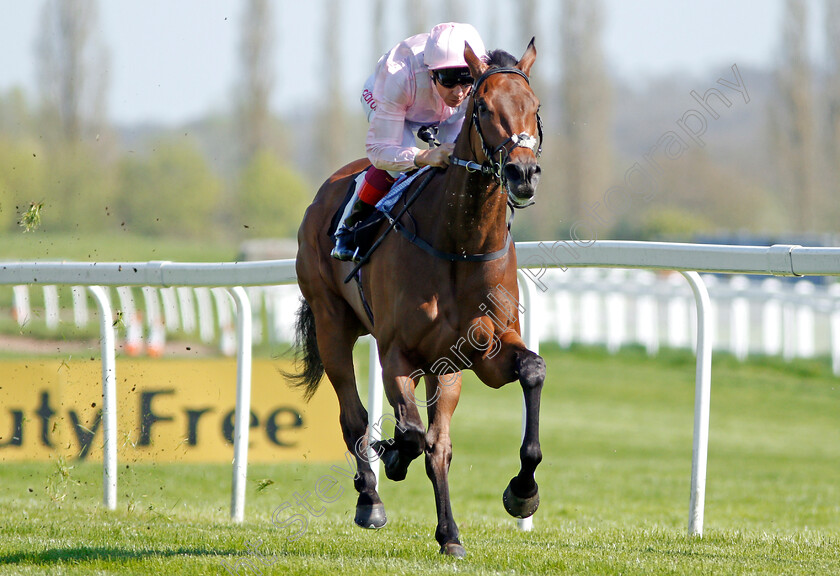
pixel 439 297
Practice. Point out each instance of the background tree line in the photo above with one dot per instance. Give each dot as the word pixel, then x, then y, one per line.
pixel 774 165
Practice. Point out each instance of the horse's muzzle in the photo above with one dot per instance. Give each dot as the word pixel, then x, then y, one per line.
pixel 521 180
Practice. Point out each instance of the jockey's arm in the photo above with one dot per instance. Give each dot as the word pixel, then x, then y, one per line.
pixel 387 145
pixel 384 145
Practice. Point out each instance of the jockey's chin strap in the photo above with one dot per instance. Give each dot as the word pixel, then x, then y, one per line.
pixel 493 167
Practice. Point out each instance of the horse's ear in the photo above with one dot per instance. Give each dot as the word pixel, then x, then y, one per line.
pixel 528 58
pixel 477 66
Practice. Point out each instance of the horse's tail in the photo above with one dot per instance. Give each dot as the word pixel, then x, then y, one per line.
pixel 310 374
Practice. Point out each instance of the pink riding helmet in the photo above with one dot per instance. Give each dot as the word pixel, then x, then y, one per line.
pixel 445 46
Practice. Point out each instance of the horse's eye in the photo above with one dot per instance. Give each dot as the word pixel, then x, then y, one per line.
pixel 481 107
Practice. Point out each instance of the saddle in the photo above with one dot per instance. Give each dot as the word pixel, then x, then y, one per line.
pixel 365 233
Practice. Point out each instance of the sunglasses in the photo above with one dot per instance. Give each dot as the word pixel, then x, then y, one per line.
pixel 451 77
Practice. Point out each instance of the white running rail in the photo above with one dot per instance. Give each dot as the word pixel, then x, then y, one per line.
pixel 534 258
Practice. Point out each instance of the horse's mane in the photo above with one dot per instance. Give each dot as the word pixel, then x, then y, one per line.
pixel 500 59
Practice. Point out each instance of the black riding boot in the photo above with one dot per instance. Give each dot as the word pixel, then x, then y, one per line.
pixel 345 249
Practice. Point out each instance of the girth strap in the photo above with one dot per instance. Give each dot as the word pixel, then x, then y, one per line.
pixel 451 256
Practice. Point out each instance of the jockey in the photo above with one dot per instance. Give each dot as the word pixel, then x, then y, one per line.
pixel 422 81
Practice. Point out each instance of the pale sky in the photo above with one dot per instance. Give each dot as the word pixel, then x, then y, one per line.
pixel 172 61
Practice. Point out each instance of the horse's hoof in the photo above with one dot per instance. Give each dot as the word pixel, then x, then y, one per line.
pixel 520 507
pixel 453 549
pixel 370 515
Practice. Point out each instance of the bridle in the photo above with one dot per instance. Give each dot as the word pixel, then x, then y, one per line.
pixel 493 167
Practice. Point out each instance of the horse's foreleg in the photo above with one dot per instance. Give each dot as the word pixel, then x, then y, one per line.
pixel 521 497
pixel 446 391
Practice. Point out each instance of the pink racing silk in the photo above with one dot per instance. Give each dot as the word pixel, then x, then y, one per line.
pixel 399 98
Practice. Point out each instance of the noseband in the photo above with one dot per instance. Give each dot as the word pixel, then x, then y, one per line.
pixel 493 167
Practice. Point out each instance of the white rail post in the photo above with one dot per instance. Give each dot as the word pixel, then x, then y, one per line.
pixel 242 417
pixel 711 282
pixel 532 341
pixel 375 391
pixel 187 305
pixel 615 304
pixel 788 329
pixel 171 317
pixel 227 341
pixel 206 321
pixel 109 398
pixel 678 315
pixel 771 317
pixel 255 295
pixel 702 394
pixel 80 307
pixel 739 319
pixel 591 308
pixel 805 347
pixel 52 315
pixel 131 319
pixel 647 312
pixel 21 309
pixel 834 327
pixel 563 312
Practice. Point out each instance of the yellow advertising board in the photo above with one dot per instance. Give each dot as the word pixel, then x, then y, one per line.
pixel 167 410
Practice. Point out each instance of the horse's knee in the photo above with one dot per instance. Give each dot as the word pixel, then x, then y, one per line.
pixel 531 369
pixel 438 453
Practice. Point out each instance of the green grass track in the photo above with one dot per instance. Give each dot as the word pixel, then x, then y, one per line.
pixel 616 438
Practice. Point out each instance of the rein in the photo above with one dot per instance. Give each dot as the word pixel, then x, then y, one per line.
pixel 524 140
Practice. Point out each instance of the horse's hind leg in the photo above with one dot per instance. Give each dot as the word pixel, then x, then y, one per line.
pixel 445 391
pixel 337 333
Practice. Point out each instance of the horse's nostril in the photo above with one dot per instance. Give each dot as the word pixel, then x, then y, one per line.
pixel 514 172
